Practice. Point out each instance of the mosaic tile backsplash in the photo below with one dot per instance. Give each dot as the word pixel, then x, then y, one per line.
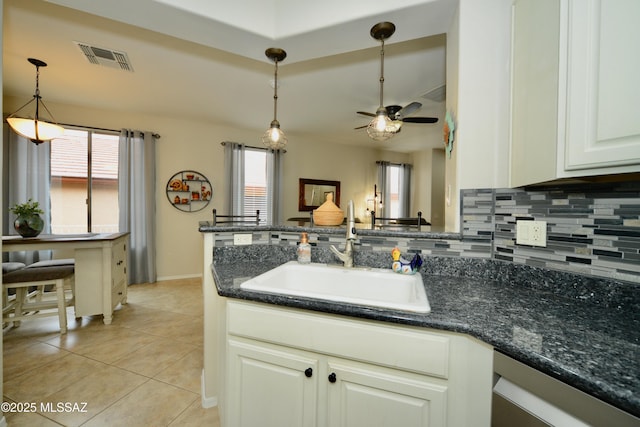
pixel 592 229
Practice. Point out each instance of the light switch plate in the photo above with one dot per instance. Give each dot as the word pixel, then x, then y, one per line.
pixel 242 239
pixel 532 233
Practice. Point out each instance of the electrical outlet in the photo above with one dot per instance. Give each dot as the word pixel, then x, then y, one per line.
pixel 242 239
pixel 532 233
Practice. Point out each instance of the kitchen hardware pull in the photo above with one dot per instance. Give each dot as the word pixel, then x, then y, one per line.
pixel 308 372
pixel 332 377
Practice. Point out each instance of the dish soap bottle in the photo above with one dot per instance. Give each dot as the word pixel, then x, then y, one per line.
pixel 304 249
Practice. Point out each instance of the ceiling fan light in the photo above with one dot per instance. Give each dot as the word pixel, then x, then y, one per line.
pixel 35 130
pixel 381 128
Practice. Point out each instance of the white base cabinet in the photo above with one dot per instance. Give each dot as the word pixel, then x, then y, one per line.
pixel 288 367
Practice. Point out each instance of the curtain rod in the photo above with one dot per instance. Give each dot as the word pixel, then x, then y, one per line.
pixel 392 163
pixel 155 135
pixel 250 146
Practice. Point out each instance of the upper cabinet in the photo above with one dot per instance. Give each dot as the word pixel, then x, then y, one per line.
pixel 575 89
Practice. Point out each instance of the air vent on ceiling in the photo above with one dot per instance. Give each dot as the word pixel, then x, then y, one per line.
pixel 107 57
pixel 437 94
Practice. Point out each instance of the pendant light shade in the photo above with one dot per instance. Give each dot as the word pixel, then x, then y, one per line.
pixel 274 137
pixel 35 129
pixel 382 127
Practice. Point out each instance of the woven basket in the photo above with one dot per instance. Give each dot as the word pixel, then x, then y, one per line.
pixel 328 213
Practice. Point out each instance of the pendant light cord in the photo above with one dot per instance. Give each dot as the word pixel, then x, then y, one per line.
pixel 382 74
pixel 275 92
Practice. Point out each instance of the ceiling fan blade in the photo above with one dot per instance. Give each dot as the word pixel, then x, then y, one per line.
pixel 366 114
pixel 420 119
pixel 361 127
pixel 408 109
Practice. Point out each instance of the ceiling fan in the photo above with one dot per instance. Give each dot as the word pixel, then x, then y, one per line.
pixel 387 121
pixel 399 114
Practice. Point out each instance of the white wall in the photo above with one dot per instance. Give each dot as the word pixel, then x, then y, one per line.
pixel 478 85
pixel 428 190
pixel 192 144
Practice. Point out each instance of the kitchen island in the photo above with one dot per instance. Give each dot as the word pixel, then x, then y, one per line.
pixel 580 330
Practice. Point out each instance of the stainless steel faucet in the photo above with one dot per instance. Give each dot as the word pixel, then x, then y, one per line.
pixel 347 256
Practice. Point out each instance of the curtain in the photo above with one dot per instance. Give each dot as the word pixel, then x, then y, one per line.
pixel 405 191
pixel 26 172
pixel 274 186
pixel 385 190
pixel 136 202
pixel 234 176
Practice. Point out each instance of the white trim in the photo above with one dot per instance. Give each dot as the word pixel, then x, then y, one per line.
pixel 207 402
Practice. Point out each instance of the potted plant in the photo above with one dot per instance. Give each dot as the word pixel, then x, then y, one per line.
pixel 28 222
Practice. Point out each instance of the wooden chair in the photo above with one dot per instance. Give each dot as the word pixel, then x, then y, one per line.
pixel 408 222
pixel 24 306
pixel 236 219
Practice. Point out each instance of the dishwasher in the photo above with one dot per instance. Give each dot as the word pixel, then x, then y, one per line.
pixel 525 397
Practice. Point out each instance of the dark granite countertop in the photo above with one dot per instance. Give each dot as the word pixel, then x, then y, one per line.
pixel 581 330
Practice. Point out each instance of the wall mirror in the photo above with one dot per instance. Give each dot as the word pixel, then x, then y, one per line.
pixel 313 192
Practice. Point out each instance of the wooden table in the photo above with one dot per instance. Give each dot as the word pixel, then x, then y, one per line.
pixel 100 267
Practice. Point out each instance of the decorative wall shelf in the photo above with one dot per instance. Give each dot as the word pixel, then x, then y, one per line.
pixel 189 191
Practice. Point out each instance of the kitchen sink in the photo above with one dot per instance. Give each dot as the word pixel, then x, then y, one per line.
pixel 360 286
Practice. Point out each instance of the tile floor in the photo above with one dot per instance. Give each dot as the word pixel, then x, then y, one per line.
pixel 142 370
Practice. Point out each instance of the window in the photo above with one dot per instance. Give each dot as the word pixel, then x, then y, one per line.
pixel 394 182
pixel 394 191
pixel 253 178
pixel 84 182
pixel 255 183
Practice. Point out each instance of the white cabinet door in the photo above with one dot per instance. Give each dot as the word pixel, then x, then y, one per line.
pixel 363 395
pixel 270 386
pixel 603 89
pixel 575 91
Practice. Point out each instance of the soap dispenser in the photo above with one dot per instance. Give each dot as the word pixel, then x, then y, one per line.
pixel 304 249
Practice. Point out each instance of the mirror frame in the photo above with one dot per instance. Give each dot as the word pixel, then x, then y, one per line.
pixel 305 181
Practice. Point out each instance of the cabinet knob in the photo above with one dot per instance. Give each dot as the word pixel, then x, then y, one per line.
pixel 332 377
pixel 308 372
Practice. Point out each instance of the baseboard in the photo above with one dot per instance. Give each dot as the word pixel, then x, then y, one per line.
pixel 185 276
pixel 207 402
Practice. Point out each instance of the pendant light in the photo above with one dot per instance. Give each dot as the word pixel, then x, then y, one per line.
pixel 382 127
pixel 274 138
pixel 35 129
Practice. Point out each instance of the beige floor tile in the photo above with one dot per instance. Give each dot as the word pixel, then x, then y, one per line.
pixel 153 358
pixel 158 334
pixel 29 419
pixel 185 372
pixel 151 317
pixel 50 378
pixel 42 381
pixel 196 416
pixel 183 328
pixel 93 394
pixel 106 346
pixel 152 404
pixel 23 358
